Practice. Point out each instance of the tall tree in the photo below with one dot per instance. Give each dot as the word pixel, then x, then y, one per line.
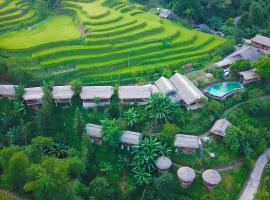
pixel 78 123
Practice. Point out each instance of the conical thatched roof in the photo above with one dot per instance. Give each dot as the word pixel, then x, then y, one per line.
pixel 186 174
pixel 163 163
pixel 211 176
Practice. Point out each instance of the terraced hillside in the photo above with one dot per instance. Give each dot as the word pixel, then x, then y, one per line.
pixel 15 14
pixel 117 39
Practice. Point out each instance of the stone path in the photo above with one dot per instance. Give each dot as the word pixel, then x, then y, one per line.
pixel 255 177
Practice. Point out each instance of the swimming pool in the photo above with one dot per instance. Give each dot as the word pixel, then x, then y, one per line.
pixel 223 90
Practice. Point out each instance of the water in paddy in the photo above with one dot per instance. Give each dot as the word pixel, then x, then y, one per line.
pixel 222 89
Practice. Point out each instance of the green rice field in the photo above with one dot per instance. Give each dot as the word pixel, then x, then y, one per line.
pixel 99 39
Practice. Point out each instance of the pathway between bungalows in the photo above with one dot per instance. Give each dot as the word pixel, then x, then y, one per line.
pixel 254 180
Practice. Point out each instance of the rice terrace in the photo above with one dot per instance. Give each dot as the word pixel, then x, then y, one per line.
pixel 98 40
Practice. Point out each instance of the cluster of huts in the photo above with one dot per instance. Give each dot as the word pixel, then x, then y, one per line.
pixel 178 87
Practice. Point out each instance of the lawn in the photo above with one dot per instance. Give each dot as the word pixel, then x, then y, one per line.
pixel 57 28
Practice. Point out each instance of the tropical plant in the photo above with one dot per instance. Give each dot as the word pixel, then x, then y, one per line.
pixel 131 117
pixel 111 132
pixel 78 123
pixel 142 177
pixel 105 167
pixel 76 86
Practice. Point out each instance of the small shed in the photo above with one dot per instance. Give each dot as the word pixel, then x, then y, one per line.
pixel 134 94
pixel 186 143
pixel 220 126
pixel 130 139
pixel 249 76
pixel 163 164
pixel 94 96
pixel 33 96
pixel 186 176
pixel 261 42
pixel 211 178
pixel 8 91
pixel 95 133
pixel 62 94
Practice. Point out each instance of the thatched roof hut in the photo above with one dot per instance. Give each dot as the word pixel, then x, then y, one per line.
pixel 187 143
pixel 249 76
pixel 133 94
pixel 186 176
pixel 165 86
pixel 220 126
pixel 187 91
pixel 211 178
pixel 163 163
pixel 62 92
pixel 261 42
pixel 94 132
pixel 33 96
pixel 8 91
pixel 130 138
pixel 93 92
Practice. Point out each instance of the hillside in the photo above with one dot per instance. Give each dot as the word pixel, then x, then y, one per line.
pixel 116 39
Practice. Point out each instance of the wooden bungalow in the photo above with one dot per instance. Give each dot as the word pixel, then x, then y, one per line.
pixel 33 96
pixel 163 164
pixel 220 126
pixel 8 91
pixel 134 94
pixel 261 42
pixel 95 133
pixel 167 88
pixel 130 139
pixel 94 96
pixel 186 176
pixel 62 94
pixel 186 143
pixel 211 178
pixel 249 76
pixel 187 91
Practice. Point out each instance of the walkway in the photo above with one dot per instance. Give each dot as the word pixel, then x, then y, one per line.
pixel 255 177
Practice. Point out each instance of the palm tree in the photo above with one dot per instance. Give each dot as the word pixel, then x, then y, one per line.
pixel 161 108
pixel 142 177
pixel 111 132
pixel 131 116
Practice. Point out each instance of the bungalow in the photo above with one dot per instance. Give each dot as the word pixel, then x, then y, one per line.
pixel 167 88
pixel 249 76
pixel 163 164
pixel 186 143
pixel 220 126
pixel 94 96
pixel 165 13
pixel 95 133
pixel 33 96
pixel 134 94
pixel 62 94
pixel 211 178
pixel 261 42
pixel 130 139
pixel 8 91
pixel 246 52
pixel 187 91
pixel 186 176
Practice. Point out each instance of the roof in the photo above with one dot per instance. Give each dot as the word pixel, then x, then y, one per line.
pixel 186 141
pixel 202 26
pixel 92 92
pixel 246 52
pixel 211 176
pixel 261 40
pixel 187 91
pixel 186 174
pixel 134 92
pixel 33 93
pixel 7 90
pixel 94 130
pixel 165 86
pixel 220 127
pixel 249 74
pixel 62 92
pixel 163 163
pixel 154 89
pixel 130 137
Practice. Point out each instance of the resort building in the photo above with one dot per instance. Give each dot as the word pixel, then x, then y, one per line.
pixel 186 143
pixel 130 139
pixel 220 126
pixel 261 42
pixel 211 178
pixel 187 91
pixel 163 164
pixel 249 76
pixel 167 88
pixel 94 96
pixel 62 94
pixel 246 52
pixel 186 176
pixel 8 91
pixel 95 133
pixel 165 13
pixel 33 96
pixel 134 94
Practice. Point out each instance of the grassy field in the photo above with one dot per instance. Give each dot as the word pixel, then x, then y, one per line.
pixel 118 38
